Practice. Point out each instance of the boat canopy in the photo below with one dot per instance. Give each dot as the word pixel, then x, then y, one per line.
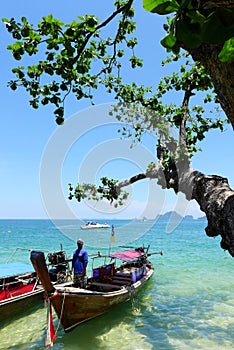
pixel 16 268
pixel 127 255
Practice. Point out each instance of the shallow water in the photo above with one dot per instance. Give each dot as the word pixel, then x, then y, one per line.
pixel 187 305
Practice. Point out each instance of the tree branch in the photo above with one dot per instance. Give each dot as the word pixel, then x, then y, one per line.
pixel 212 193
pixel 123 8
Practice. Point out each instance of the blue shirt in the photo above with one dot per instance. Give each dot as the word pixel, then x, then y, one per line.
pixel 79 260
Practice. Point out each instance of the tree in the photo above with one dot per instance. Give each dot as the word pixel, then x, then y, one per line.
pixel 206 30
pixel 78 60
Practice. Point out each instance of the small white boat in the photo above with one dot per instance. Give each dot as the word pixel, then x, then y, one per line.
pixel 94 225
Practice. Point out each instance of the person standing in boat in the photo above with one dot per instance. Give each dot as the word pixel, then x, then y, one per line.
pixel 79 264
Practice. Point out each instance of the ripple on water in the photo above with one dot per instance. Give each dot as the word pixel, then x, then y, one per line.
pixel 26 332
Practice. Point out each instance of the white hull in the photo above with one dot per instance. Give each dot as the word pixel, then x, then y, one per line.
pixel 91 226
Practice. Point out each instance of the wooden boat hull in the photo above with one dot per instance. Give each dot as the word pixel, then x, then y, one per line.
pixel 75 307
pixel 18 293
pixel 113 286
pixel 16 305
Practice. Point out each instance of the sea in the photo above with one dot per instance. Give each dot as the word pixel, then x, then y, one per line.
pixel 188 304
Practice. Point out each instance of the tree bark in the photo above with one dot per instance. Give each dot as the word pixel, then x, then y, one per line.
pixel 212 193
pixel 216 199
pixel 221 74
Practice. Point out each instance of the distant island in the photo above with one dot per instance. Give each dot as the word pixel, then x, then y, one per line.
pixel 173 214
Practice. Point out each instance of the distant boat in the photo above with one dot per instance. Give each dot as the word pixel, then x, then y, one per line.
pixel 94 225
pixel 108 286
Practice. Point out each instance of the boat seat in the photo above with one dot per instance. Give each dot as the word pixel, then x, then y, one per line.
pixel 104 285
pixel 103 273
pixel 121 282
pixel 123 274
pixel 125 278
pixel 109 269
pixel 96 273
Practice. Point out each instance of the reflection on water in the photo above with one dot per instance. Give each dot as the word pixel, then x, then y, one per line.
pixel 156 319
pixel 114 330
pixel 25 331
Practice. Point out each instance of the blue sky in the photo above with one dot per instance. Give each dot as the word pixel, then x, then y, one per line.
pixel 28 169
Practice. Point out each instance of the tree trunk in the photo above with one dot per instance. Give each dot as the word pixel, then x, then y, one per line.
pixel 216 200
pixel 221 74
pixel 212 193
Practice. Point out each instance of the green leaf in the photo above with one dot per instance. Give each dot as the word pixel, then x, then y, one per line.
pixel 25 32
pixel 215 31
pixel 59 112
pixel 24 21
pixel 196 17
pixel 60 120
pixel 227 52
pixel 13 85
pixel 168 41
pixel 188 33
pixel 48 19
pixel 162 7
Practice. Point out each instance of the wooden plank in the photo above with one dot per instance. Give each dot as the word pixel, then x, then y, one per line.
pixel 123 274
pixel 105 285
pixel 10 284
pixel 121 282
pixel 123 278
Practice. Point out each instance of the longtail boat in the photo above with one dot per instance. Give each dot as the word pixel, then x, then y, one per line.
pixel 113 282
pixel 20 287
pixel 18 293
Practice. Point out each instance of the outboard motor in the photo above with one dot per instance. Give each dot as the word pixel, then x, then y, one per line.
pixel 59 266
pixel 57 257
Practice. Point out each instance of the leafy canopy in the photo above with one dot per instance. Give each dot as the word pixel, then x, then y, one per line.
pixel 77 58
pixel 194 24
pixel 72 58
pixel 153 114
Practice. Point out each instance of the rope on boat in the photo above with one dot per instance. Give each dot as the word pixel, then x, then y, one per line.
pixel 36 283
pixel 61 313
pixel 133 298
pixel 50 331
pixel 131 291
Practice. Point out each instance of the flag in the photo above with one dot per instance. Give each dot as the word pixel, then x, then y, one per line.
pixel 113 234
pixel 50 331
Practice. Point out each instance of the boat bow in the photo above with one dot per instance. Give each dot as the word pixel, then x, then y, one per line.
pixel 39 264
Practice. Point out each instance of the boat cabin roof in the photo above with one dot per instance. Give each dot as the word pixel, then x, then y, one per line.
pixel 15 268
pixel 127 255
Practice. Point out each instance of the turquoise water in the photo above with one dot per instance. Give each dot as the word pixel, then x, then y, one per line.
pixel 187 305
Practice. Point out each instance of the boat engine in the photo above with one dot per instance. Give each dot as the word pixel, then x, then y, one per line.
pixel 57 257
pixel 59 266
